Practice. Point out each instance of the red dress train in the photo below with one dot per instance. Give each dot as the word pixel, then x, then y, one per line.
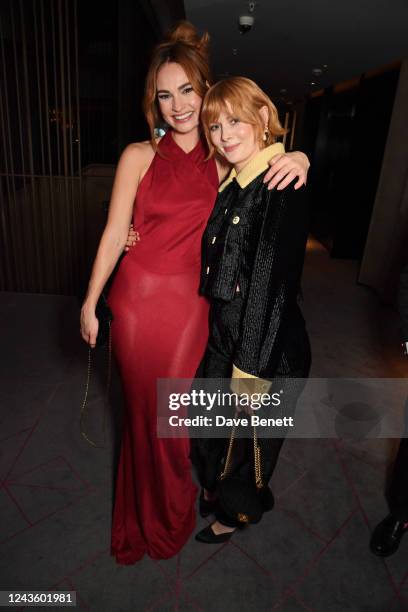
pixel 159 330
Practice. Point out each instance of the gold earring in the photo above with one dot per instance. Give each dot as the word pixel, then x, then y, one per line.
pixel 266 134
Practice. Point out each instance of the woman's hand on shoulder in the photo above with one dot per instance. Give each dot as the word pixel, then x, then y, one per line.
pixel 285 167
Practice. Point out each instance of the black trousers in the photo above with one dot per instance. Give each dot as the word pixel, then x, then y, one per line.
pixel 207 454
pixel 397 494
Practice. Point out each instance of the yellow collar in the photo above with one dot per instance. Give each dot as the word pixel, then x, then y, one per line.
pixel 254 168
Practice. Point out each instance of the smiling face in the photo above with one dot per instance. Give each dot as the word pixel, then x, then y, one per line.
pixel 179 104
pixel 236 140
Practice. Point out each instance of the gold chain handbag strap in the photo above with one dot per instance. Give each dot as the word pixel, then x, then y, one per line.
pixel 257 458
pixel 227 465
pixel 108 381
pixel 257 462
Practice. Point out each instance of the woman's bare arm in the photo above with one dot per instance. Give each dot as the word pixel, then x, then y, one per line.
pixel 132 165
pixel 284 168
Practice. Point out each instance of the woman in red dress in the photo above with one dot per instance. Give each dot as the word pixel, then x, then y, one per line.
pixel 160 329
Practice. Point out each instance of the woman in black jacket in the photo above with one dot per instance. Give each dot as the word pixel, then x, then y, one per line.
pixel 252 257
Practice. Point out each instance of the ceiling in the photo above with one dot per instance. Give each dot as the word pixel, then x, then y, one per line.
pixel 291 37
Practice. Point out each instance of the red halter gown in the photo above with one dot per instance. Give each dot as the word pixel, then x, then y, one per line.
pixel 159 330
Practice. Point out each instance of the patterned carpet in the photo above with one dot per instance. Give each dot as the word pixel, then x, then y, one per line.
pixel 310 553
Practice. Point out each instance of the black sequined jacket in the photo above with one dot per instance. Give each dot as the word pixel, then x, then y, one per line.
pixel 255 239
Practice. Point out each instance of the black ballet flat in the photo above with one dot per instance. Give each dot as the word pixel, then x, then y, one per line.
pixel 387 536
pixel 209 537
pixel 205 506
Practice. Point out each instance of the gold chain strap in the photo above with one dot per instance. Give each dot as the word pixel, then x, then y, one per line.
pixel 257 458
pixel 226 469
pixel 108 381
pixel 257 462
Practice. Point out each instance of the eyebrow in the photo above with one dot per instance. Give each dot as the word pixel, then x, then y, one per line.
pixel 179 88
pixel 227 116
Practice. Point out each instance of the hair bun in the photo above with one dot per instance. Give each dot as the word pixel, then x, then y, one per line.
pixel 185 32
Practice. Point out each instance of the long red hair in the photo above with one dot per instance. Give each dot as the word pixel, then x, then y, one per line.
pixel 183 45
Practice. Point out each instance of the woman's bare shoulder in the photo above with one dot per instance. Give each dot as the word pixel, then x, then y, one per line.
pixel 137 157
pixel 138 151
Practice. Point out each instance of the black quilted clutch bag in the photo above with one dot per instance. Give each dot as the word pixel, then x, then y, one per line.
pixel 244 499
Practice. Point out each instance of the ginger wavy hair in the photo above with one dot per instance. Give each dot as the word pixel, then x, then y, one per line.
pixel 183 45
pixel 241 98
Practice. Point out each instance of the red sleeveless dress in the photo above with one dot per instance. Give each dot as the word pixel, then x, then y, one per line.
pixel 160 330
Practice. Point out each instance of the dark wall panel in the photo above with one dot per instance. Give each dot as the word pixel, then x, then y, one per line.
pixel 346 133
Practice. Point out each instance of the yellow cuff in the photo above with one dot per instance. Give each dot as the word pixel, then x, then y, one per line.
pixel 243 382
